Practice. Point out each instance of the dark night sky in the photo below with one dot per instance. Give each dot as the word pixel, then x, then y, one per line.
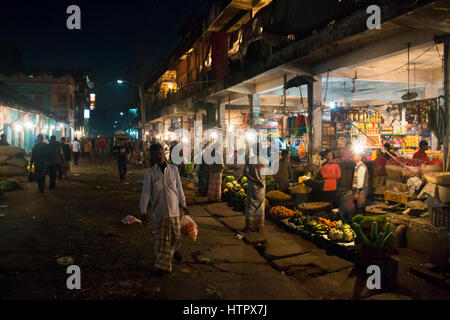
pixel 112 35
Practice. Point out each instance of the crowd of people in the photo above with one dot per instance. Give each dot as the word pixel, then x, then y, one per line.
pixel 54 158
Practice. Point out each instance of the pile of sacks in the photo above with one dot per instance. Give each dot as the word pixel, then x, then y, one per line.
pixel 12 161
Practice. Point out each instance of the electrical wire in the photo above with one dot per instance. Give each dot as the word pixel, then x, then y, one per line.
pixel 393 70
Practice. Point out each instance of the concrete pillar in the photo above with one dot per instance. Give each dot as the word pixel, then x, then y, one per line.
pixel 222 111
pixel 317 114
pixel 447 102
pixel 314 117
pixel 432 92
pixel 254 107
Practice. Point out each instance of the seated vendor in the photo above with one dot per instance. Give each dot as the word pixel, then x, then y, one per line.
pixel 421 155
pixel 360 183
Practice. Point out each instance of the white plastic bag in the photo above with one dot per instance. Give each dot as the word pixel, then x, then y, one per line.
pixel 189 227
pixel 130 220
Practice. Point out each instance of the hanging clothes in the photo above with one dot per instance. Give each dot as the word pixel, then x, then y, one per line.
pixel 220 67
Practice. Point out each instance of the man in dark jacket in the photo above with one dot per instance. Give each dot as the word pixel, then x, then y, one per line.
pixel 55 160
pixel 39 157
pixel 122 154
pixel 345 193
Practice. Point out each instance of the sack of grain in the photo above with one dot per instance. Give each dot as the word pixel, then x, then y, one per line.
pixel 17 162
pixel 431 177
pixel 10 171
pixel 4 158
pixel 12 151
pixel 394 172
pixel 431 168
pixel 411 171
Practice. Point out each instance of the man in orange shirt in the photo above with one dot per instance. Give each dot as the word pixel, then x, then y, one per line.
pixel 331 172
pixel 421 155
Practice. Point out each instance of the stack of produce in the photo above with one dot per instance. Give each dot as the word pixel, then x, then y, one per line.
pixel 297 220
pixel 342 233
pixel 327 222
pixel 300 189
pixel 376 239
pixel 235 192
pixel 12 161
pixel 278 196
pixel 314 226
pixel 282 212
pixel 270 183
pixel 366 221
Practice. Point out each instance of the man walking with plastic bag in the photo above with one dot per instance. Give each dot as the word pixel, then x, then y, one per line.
pixel 162 188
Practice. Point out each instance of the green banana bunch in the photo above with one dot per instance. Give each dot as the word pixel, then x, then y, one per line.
pixel 377 240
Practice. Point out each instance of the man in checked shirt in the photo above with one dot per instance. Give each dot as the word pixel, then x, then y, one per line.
pixel 162 188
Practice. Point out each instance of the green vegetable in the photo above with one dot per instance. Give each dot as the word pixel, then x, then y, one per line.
pixel 389 240
pixel 244 180
pixel 374 232
pixel 377 240
pixel 8 186
pixel 360 235
pixel 388 230
pixel 229 179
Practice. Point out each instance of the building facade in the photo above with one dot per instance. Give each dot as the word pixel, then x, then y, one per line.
pixel 246 64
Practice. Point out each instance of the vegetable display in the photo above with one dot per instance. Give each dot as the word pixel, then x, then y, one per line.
pixel 281 211
pixel 366 221
pixel 327 222
pixel 342 233
pixel 234 192
pixel 315 226
pixel 278 196
pixel 376 239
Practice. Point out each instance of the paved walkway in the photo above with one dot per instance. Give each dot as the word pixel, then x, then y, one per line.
pixel 82 219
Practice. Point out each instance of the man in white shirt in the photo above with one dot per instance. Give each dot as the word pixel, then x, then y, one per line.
pixel 76 150
pixel 162 188
pixel 360 184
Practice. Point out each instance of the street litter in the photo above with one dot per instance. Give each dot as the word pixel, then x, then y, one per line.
pixel 239 236
pixel 65 261
pixel 130 219
pixel 189 227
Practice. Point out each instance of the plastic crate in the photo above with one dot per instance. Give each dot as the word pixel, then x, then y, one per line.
pixel 440 217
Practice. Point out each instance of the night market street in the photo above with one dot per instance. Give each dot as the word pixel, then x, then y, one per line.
pixel 82 219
